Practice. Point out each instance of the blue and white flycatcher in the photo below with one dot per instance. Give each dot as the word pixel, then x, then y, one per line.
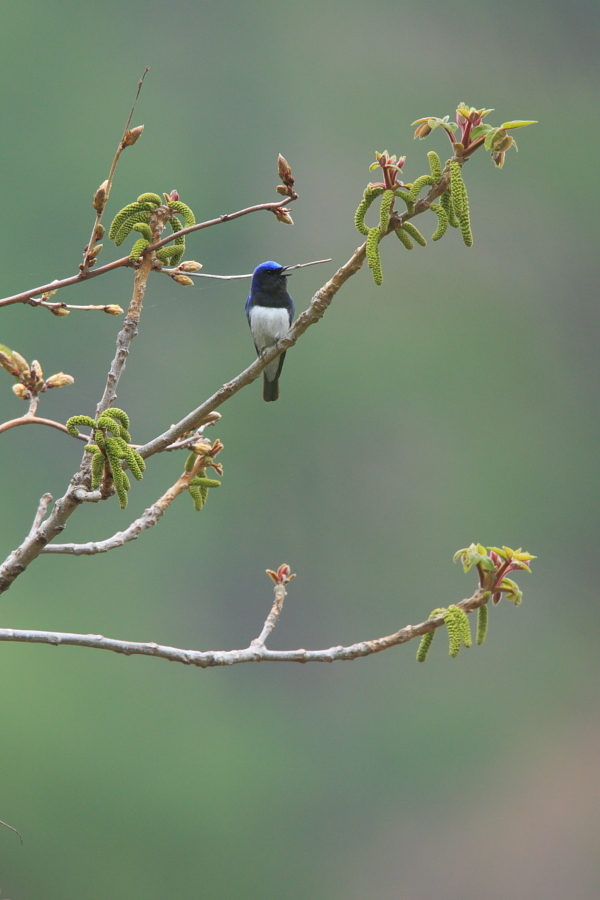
pixel 270 311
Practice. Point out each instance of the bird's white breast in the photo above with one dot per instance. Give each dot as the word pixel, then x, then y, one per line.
pixel 268 325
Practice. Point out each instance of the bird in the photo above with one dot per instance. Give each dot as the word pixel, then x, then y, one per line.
pixel 269 310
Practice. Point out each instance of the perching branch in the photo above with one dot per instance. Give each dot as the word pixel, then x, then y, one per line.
pixel 55 285
pixel 256 652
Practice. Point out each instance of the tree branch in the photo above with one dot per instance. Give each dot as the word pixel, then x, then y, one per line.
pixel 256 652
pixel 36 420
pixel 55 285
pixel 148 518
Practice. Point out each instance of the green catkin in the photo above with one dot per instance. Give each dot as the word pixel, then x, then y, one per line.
pixel 418 185
pixel 97 469
pixel 186 212
pixel 482 624
pixel 368 197
pixel 175 227
pixel 414 233
pixel 122 216
pixel 442 221
pixel 459 630
pixel 125 229
pixel 133 459
pixel 465 225
pixel 167 255
pixel 359 216
pixel 372 191
pixel 153 199
pixel 189 463
pixel 454 631
pixel 196 495
pixel 404 237
pixel 465 628
pixel 206 482
pixel 107 423
pixel 404 195
pixel 373 258
pixel 448 207
pixel 177 249
pixel 74 421
pixel 424 645
pixel 137 249
pixel 387 202
pixel 457 189
pixel 144 229
pixel 435 165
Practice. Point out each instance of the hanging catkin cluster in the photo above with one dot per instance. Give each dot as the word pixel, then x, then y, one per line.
pixel 112 444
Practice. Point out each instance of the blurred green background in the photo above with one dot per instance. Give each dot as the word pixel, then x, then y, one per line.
pixel 457 403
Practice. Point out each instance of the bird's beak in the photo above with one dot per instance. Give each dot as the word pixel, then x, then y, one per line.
pixel 285 270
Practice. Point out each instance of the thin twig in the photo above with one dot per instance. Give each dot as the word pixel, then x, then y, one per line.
pixel 316 262
pixel 100 212
pixel 253 653
pixel 6 825
pixel 148 518
pixel 44 503
pixel 273 617
pixel 227 217
pixel 37 420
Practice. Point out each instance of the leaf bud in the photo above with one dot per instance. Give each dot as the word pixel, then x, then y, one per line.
pixel 284 171
pixel 100 197
pixel 21 391
pixel 132 136
pixel 36 371
pixel 113 310
pixel 59 311
pixel 283 215
pixel 190 265
pixel 59 380
pixel 99 232
pixel 182 279
pixel 21 364
pixel 6 360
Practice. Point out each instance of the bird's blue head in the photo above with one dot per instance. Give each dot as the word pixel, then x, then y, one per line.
pixel 269 276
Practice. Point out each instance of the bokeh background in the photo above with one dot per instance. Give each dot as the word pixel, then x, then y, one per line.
pixel 459 402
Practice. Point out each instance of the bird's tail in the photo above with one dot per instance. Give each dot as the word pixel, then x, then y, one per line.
pixel 270 389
